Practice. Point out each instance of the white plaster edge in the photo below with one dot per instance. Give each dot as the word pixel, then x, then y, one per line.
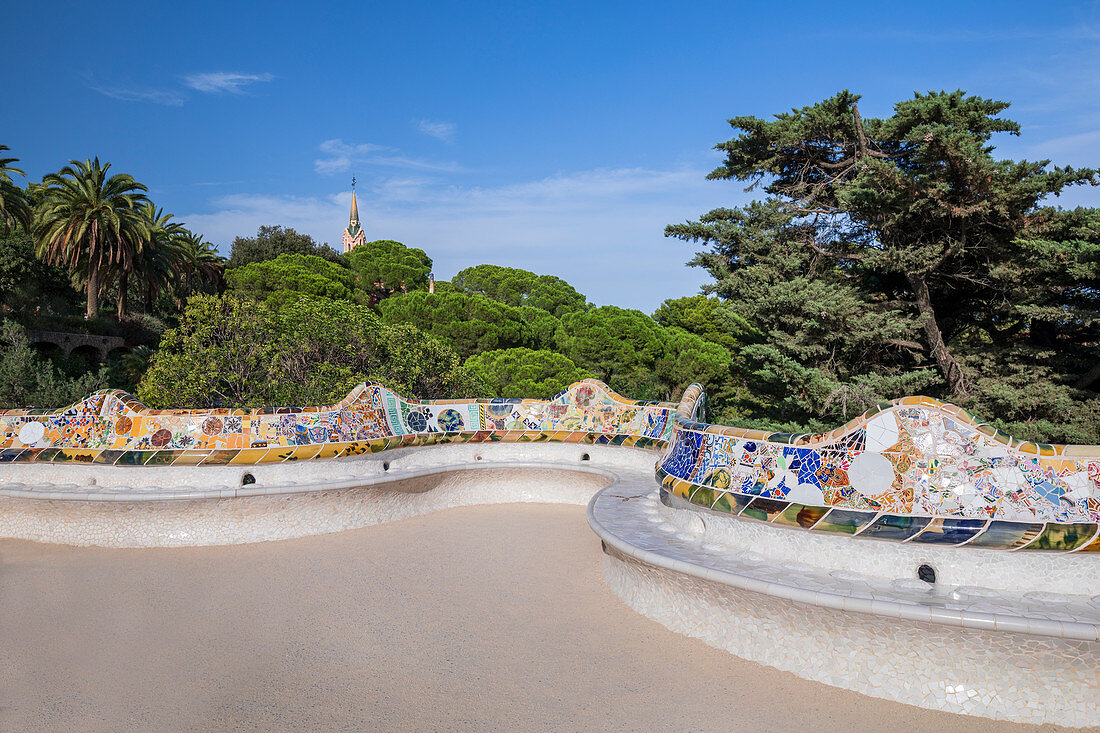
pixel 801 639
pixel 891 609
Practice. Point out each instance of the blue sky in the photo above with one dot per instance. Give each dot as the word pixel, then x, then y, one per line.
pixel 558 138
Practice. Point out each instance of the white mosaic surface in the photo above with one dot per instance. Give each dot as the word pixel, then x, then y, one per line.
pixel 322 497
pixel 632 519
pixel 1012 656
pixel 969 568
pixel 1003 676
pixel 1029 657
pixel 141 483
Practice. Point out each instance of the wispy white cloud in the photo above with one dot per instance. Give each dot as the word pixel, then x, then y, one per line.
pixel 166 97
pixel 218 82
pixel 340 157
pixel 444 131
pixel 211 83
pixel 602 230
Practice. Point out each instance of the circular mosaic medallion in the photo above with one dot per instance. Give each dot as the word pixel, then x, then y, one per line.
pixel 161 438
pixel 584 395
pixel 450 420
pixel 211 426
pixel 499 409
pixel 557 410
pixel 417 422
pixel 123 425
pixel 31 433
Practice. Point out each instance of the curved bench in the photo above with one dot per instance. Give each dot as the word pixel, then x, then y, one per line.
pixel 993 654
pixel 336 495
pixel 777 547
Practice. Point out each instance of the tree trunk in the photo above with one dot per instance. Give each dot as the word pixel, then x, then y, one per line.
pixel 861 136
pixel 1089 377
pixel 93 292
pixel 122 286
pixel 949 368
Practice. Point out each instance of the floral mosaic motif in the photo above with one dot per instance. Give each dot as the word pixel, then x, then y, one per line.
pixel 911 459
pixel 114 427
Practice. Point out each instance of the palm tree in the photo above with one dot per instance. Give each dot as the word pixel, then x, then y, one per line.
pixel 136 363
pixel 14 204
pixel 200 260
pixel 91 223
pixel 160 261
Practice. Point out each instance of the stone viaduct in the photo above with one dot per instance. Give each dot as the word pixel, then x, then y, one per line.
pixel 69 342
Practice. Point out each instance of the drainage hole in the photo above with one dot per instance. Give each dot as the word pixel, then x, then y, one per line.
pixel 385 465
pixel 247 479
pixel 585 457
pixel 927 574
pixel 477 458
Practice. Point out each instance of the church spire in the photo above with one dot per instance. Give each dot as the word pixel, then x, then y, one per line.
pixel 354 209
pixel 354 205
pixel 353 234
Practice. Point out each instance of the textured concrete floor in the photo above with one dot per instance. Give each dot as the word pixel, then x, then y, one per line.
pixel 491 617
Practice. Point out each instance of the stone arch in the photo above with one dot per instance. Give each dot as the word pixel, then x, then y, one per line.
pixel 91 353
pixel 49 349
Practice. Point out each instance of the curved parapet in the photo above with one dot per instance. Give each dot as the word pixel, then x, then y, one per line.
pixel 114 428
pixel 912 470
pixel 717 551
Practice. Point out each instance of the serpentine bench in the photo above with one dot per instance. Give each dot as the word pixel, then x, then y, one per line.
pixel 914 554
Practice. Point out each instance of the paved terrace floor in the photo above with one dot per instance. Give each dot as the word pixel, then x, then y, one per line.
pixel 490 617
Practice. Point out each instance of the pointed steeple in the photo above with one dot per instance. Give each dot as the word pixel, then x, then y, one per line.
pixel 354 209
pixel 353 234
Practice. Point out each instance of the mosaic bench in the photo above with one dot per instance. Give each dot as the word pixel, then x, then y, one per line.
pixel 914 470
pixel 753 541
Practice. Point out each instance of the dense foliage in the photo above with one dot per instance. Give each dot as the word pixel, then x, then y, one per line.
pixel 637 356
pixel 897 255
pixel 524 372
pixel 272 241
pixel 516 287
pixel 470 323
pixel 385 267
pixel 229 350
pixel 28 380
pixel 26 282
pixel 289 276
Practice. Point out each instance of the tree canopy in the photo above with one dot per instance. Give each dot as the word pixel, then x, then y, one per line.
pixel 708 318
pixel 91 224
pixel 524 372
pixel 15 205
pixel 469 323
pixel 516 287
pixel 636 355
pixel 289 276
pixel 229 350
pixel 385 267
pixel 272 241
pixel 893 255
